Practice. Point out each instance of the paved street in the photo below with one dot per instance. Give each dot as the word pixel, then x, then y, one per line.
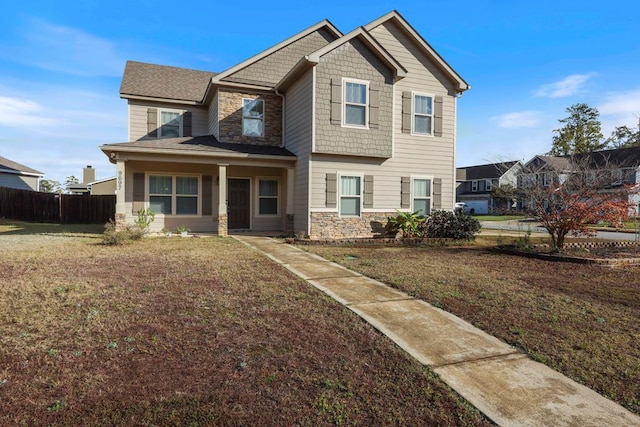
pixel 523 227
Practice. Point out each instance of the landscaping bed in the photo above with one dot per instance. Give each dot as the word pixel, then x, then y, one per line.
pixel 192 332
pixel 581 320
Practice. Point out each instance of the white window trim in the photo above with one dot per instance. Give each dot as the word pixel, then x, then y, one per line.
pixel 488 185
pixel 170 110
pixel 264 116
pixel 413 113
pixel 474 186
pixel 339 195
pixel 413 196
pixel 257 195
pixel 173 176
pixel 346 80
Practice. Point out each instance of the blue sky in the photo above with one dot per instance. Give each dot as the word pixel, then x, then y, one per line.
pixel 526 62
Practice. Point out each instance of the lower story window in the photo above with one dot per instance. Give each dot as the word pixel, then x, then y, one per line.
pixel 268 197
pixel 350 195
pixel 422 196
pixel 173 195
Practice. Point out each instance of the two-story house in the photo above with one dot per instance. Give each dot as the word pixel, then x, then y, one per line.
pixel 475 184
pixel 16 175
pixel 324 134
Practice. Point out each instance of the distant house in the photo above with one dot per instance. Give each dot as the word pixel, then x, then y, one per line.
pixel 90 185
pixel 325 134
pixel 621 166
pixel 15 175
pixel 474 184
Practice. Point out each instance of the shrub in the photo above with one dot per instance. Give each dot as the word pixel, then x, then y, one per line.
pixel 114 236
pixel 449 225
pixel 406 222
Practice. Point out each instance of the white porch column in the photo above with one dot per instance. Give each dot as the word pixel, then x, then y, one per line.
pixel 222 200
pixel 291 179
pixel 121 210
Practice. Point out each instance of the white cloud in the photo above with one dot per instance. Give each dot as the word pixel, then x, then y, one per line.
pixel 519 119
pixel 64 49
pixel 621 103
pixel 568 86
pixel 17 112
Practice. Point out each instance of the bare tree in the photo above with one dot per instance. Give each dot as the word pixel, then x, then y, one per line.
pixel 566 194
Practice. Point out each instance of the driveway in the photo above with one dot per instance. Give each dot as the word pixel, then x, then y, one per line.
pixel 534 227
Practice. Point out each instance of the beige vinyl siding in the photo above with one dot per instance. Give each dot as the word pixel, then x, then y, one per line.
pixel 138 117
pixel 214 124
pixel 105 187
pixel 299 116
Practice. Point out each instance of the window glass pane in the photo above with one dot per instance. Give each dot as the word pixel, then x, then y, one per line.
pixel 187 185
pixel 253 108
pixel 421 188
pixel 160 185
pixel 422 124
pixel 356 93
pixel 160 204
pixel 422 205
pixel 268 188
pixel 423 105
pixel 268 206
pixel 252 127
pixel 170 124
pixel 186 205
pixel 350 185
pixel 355 115
pixel 350 206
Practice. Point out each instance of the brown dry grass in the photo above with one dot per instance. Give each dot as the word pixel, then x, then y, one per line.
pixel 581 320
pixel 192 332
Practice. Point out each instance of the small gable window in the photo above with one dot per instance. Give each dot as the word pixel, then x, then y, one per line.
pixel 253 117
pixel 355 103
pixel 423 114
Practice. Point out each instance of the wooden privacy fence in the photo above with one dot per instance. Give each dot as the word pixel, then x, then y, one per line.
pixel 25 205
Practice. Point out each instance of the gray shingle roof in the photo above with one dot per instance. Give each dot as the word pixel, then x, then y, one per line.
pixel 199 144
pixel 10 165
pixel 489 171
pixel 160 81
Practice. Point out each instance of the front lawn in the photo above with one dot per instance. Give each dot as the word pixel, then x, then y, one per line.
pixel 172 331
pixel 582 320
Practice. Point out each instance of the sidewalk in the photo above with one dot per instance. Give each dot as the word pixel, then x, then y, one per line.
pixel 507 386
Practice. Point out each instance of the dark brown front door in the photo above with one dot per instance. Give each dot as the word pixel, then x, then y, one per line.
pixel 239 204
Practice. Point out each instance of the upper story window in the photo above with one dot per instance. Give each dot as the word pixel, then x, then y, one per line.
pixel 170 124
pixel 488 185
pixel 253 117
pixel 356 101
pixel 350 195
pixel 422 114
pixel 474 186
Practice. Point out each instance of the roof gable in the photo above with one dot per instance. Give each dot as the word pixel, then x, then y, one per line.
pixel 164 82
pixel 488 171
pixel 461 85
pixel 269 66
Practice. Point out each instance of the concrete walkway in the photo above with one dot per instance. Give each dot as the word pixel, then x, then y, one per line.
pixel 507 386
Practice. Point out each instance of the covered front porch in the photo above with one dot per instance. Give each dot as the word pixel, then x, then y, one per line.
pixel 205 186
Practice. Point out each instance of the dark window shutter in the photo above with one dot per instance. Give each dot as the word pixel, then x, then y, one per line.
pixel 405 188
pixel 332 190
pixel 207 195
pixel 437 116
pixel 406 112
pixel 152 122
pixel 368 192
pixel 138 192
pixel 437 194
pixel 336 101
pixel 374 107
pixel 186 123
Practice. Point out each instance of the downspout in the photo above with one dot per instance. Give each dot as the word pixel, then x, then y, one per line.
pixel 281 95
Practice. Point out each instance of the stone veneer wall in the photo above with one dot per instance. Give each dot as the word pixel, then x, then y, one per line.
pixel 330 225
pixel 230 118
pixel 223 225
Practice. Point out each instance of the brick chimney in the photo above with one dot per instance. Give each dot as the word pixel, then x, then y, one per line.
pixel 88 174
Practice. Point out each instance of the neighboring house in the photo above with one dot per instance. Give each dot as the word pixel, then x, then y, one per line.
pixel 15 175
pixel 90 185
pixel 620 166
pixel 323 134
pixel 475 183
